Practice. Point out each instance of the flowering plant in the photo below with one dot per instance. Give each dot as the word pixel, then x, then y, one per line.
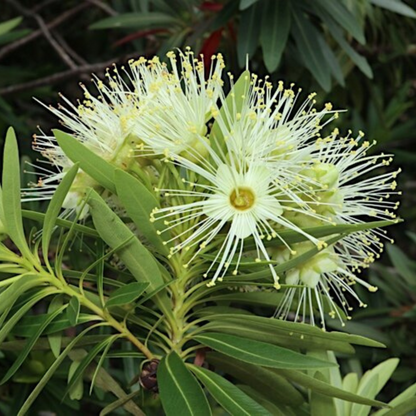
pixel 216 234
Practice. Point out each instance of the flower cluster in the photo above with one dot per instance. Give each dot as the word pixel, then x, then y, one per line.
pixel 234 174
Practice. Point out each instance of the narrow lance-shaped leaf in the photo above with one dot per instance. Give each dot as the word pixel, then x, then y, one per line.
pixel 84 363
pixel 295 328
pixel 29 324
pixel 40 218
pixel 234 102
pixel 280 338
pixel 29 345
pixel 9 25
pixel 339 12
pixel 12 209
pixel 8 326
pixel 50 372
pixel 136 21
pixel 248 34
pixel 230 397
pixel 54 209
pixel 180 393
pixel 359 60
pixel 55 339
pixel 89 162
pixel 319 403
pixel 396 6
pixel 306 38
pixel 135 256
pixel 139 204
pixel 275 28
pixel 114 232
pixel 244 4
pixel 126 294
pixel 72 312
pixel 326 389
pixel 260 353
pixel 9 296
pixel 274 387
pixel 109 409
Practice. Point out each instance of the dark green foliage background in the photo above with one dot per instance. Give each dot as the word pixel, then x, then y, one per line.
pixel 379 94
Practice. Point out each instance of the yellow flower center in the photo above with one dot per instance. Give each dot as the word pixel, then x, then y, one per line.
pixel 242 198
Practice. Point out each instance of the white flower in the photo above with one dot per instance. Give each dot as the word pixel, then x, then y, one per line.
pixel 324 284
pixel 246 202
pixel 179 102
pixel 150 111
pixel 348 193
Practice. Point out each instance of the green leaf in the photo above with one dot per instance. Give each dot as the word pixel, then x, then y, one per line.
pixel 292 237
pixel 306 38
pixel 11 196
pixel 326 389
pixel 49 373
pixel 8 326
pixel 395 6
pixel 319 403
pixel 120 402
pixel 343 17
pixel 369 391
pixel 276 409
pixel 180 393
pixel 43 345
pixel 294 329
pixel 230 397
pixel 372 382
pixel 402 264
pixel 86 361
pixel 248 34
pixel 89 162
pixel 2 227
pixel 259 333
pixel 349 383
pixel 54 209
pixel 40 217
pixel 55 340
pixel 77 389
pixel 273 386
pixel 72 312
pixel 275 28
pixel 105 355
pixel 290 264
pixel 403 397
pixel 126 294
pixel 337 34
pixel 29 324
pixel 114 232
pixel 137 21
pixel 9 296
pixel 9 25
pixel 332 61
pixel 29 345
pixel 139 204
pixel 134 255
pixel 244 4
pixel 403 409
pixel 233 104
pixel 260 353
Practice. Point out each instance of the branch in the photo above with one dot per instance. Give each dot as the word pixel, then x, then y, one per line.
pixel 60 76
pixel 34 35
pixel 79 59
pixel 103 6
pixel 45 31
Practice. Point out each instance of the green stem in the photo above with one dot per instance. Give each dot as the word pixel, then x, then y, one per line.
pixel 103 314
